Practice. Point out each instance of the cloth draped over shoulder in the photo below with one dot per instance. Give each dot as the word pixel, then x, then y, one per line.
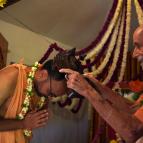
pixel 15 107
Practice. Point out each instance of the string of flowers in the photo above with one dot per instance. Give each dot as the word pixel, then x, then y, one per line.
pixel 49 51
pixel 28 95
pixel 117 51
pixel 99 56
pixel 128 21
pixel 2 3
pixel 109 51
pixel 139 12
pixel 102 32
pixel 92 45
pixel 96 49
pixel 63 102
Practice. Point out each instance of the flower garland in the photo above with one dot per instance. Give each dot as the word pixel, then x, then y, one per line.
pixel 139 12
pixel 102 32
pixel 109 51
pixel 93 44
pixel 28 95
pixel 2 2
pixel 62 100
pixel 128 22
pixel 105 37
pixel 117 51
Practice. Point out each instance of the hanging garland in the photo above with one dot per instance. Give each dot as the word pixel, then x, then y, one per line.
pixel 139 12
pixel 121 45
pixel 102 32
pixel 128 22
pixel 109 51
pixel 96 49
pixel 92 45
pixel 117 51
pixel 63 101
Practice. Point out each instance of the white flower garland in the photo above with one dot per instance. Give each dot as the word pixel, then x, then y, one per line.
pixel 109 51
pixel 28 94
pixel 117 52
pixel 105 37
pixel 63 98
pixel 128 21
pixel 139 12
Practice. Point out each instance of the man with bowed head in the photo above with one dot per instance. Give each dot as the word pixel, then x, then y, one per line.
pixel 17 81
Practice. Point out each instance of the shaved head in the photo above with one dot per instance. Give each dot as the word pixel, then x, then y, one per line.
pixel 139 31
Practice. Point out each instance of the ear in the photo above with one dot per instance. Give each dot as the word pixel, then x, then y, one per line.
pixel 41 75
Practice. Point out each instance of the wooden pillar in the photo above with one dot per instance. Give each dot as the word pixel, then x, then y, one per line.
pixel 3 51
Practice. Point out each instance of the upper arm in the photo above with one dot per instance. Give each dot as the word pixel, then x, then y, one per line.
pixel 7 82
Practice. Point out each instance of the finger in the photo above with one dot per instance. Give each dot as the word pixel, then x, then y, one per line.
pixel 42 112
pixel 41 124
pixel 32 112
pixel 43 116
pixel 68 71
pixel 44 120
pixel 88 75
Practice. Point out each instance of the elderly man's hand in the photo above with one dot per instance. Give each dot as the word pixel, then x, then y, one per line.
pixel 35 119
pixel 77 82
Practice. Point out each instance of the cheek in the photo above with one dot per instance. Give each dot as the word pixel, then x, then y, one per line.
pixel 61 90
pixel 43 89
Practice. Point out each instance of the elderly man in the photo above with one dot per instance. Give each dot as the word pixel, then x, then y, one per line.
pixel 115 110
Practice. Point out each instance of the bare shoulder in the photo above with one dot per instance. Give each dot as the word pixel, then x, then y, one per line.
pixel 9 71
pixel 8 80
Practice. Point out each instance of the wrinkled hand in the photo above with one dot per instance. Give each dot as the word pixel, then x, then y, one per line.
pixel 35 119
pixel 76 81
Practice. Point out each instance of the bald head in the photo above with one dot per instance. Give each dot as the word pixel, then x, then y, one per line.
pixel 138 44
pixel 139 31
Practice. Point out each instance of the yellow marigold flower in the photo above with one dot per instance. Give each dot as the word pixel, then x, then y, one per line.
pixel 2 2
pixel 113 141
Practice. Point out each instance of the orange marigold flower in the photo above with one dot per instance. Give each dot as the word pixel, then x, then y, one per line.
pixel 136 86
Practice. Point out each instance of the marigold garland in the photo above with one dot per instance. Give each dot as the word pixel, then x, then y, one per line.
pixel 109 51
pixel 95 51
pixel 126 46
pixel 139 12
pixel 117 51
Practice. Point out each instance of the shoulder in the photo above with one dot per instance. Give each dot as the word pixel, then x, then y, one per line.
pixel 8 80
pixel 8 72
pixel 12 69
